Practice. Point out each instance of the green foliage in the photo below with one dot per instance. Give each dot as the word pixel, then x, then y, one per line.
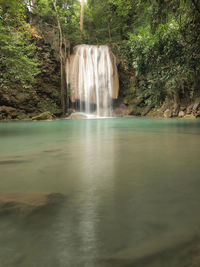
pixel 69 16
pixel 49 105
pixel 166 57
pixel 108 21
pixel 16 51
pixel 157 41
pixel 12 6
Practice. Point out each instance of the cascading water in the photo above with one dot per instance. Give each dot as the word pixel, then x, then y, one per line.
pixel 93 79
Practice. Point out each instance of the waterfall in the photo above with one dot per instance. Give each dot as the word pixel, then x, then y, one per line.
pixel 93 79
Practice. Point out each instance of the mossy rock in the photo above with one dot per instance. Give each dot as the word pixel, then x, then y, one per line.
pixel 43 116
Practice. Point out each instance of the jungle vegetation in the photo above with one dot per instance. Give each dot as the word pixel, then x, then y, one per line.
pixel 157 41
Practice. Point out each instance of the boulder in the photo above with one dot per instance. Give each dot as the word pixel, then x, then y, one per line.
pixel 181 114
pixel 78 116
pixel 26 203
pixel 167 114
pixel 43 116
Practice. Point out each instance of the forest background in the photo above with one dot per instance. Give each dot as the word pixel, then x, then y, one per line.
pixel 156 42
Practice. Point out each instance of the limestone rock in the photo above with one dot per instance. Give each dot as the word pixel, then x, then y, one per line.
pixel 43 116
pixel 189 109
pixel 26 203
pixel 196 106
pixel 176 108
pixel 7 109
pixel 146 110
pixel 121 110
pixel 135 110
pixel 189 116
pixel 181 114
pixel 167 114
pixel 182 108
pixel 77 116
pixel 8 112
pixel 136 101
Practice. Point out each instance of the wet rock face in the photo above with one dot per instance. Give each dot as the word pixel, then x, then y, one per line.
pixel 27 203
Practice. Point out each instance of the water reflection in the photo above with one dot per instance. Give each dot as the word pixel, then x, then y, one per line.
pixel 96 179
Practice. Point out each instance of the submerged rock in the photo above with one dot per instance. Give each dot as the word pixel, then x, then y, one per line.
pixel 180 249
pixel 26 203
pixel 43 116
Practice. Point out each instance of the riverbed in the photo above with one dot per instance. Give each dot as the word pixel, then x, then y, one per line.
pixel 132 188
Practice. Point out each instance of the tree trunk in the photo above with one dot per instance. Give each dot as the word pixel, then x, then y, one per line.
pixel 62 62
pixel 82 17
pixel 109 31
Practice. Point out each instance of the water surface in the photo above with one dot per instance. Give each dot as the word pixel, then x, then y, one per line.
pixel 132 187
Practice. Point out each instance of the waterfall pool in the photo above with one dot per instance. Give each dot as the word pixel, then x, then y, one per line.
pixel 132 188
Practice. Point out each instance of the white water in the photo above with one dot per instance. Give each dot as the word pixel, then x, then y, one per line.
pixel 93 79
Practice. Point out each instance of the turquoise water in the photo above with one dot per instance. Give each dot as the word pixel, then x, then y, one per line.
pixel 132 187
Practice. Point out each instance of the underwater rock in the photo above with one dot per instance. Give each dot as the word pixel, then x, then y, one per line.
pixel 180 249
pixel 26 203
pixel 11 161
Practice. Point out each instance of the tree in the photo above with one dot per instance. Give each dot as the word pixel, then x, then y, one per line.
pixel 82 17
pixel 17 63
pixel 63 58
